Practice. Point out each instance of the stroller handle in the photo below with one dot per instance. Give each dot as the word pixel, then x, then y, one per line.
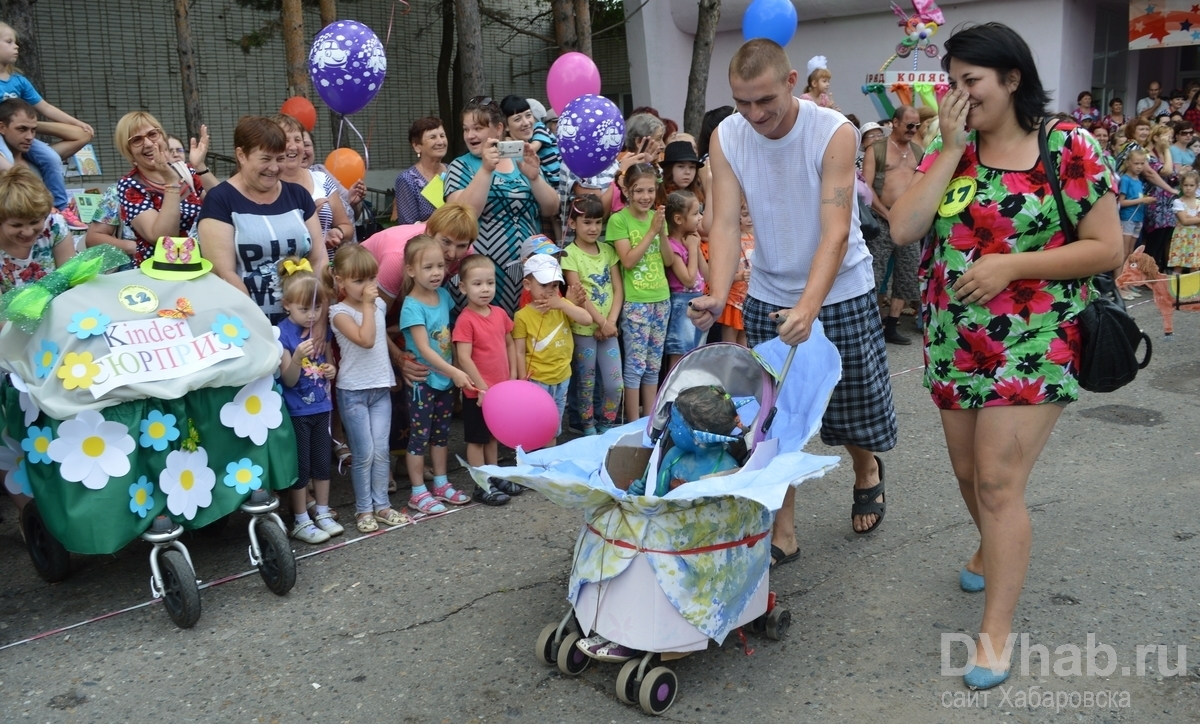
pixel 787 364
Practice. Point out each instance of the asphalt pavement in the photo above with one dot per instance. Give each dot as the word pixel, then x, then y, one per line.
pixel 437 622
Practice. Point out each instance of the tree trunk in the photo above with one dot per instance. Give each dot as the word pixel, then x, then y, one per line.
pixel 294 48
pixel 583 26
pixel 457 100
pixel 445 68
pixel 565 32
pixel 193 112
pixel 470 47
pixel 697 89
pixel 328 12
pixel 19 14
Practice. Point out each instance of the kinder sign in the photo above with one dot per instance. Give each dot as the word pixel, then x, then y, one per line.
pixel 156 349
pixel 908 77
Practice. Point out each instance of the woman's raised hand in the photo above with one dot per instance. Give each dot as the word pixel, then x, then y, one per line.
pixel 530 164
pixel 952 121
pixel 199 149
pixel 490 155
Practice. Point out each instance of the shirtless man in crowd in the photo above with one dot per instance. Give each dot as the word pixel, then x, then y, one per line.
pixel 901 157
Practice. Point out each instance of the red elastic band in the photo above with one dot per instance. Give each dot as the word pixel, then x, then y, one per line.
pixel 748 542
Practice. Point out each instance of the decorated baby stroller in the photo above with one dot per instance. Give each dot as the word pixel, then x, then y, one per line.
pixel 662 575
pixel 142 407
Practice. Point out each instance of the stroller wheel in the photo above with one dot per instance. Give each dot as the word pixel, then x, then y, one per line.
pixel 627 683
pixel 181 595
pixel 50 559
pixel 779 620
pixel 545 650
pixel 571 661
pixel 658 690
pixel 278 565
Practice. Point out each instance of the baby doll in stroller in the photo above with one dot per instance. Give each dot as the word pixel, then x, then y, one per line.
pixel 705 437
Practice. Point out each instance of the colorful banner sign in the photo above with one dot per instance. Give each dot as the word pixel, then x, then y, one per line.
pixel 1163 24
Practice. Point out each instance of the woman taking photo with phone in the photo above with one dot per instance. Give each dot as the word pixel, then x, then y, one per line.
pixel 1001 292
pixel 509 195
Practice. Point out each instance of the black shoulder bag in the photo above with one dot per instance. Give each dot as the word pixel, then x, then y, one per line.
pixel 1109 335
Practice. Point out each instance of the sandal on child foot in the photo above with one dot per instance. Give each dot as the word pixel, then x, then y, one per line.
pixel 388 516
pixel 366 523
pixel 447 494
pixel 490 497
pixel 342 452
pixel 507 487
pixel 312 511
pixel 426 503
pixel 601 649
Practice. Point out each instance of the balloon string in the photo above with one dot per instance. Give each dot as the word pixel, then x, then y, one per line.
pixel 366 151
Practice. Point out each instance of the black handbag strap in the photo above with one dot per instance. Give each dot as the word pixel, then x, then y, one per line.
pixel 1052 178
pixel 1103 283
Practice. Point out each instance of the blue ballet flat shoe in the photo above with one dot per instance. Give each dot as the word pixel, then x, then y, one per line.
pixel 979 677
pixel 970 582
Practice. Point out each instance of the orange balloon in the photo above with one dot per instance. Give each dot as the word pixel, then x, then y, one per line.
pixel 302 110
pixel 346 165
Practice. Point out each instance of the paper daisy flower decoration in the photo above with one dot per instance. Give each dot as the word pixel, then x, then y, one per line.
pixel 230 330
pixel 28 406
pixel 158 431
pixel 243 476
pixel 90 449
pixel 255 409
pixel 188 482
pixel 44 359
pixel 37 444
pixel 141 497
pixel 88 324
pixel 78 370
pixel 12 459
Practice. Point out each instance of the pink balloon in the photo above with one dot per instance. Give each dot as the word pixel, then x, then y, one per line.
pixel 571 76
pixel 518 412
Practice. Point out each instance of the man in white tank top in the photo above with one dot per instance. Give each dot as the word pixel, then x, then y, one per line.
pixel 794 162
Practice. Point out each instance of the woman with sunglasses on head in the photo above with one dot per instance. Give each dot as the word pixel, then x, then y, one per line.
pixel 159 196
pixel 1002 290
pixel 509 195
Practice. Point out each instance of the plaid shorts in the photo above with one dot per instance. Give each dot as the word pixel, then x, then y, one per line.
pixel 860 411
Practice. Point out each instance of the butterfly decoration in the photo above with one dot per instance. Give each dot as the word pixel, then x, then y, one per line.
pixel 183 310
pixel 179 250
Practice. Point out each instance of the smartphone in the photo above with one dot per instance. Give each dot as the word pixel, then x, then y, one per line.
pixel 511 149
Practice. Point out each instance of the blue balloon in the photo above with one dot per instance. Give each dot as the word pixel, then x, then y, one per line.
pixel 590 133
pixel 772 19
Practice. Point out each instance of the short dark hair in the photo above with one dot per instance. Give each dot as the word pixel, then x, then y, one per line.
pixel 997 46
pixel 13 106
pixel 254 132
pixel 1081 95
pixel 708 126
pixel 512 105
pixel 1178 95
pixel 1115 100
pixel 421 126
pixel 1181 127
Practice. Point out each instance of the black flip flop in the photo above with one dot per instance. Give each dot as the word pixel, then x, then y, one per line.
pixel 865 504
pixel 778 557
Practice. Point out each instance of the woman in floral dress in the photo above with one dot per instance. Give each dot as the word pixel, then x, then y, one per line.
pixel 1001 290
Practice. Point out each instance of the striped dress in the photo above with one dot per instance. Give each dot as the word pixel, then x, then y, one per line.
pixel 510 216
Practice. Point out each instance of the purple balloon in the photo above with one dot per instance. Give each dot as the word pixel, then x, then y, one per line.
pixel 591 132
pixel 347 64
